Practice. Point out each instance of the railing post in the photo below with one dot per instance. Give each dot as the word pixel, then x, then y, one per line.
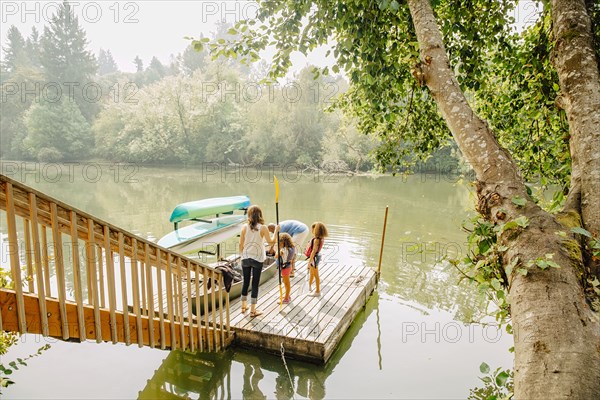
pixel 38 263
pixel 77 276
pixel 169 282
pixel 123 274
pixel 15 263
pixel 60 270
pixel 189 301
pixel 159 290
pixel 110 280
pixel 136 295
pixel 92 265
pixel 149 295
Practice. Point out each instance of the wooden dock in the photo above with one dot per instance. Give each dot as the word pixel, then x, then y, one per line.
pixel 309 328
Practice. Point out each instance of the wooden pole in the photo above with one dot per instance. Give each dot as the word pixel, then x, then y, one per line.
pixel 60 270
pixel 39 274
pixel 77 276
pixel 93 267
pixel 382 242
pixel 15 262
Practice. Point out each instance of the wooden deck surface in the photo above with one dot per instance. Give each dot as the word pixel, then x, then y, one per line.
pixel 308 327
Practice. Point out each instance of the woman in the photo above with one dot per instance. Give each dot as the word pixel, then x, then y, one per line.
pixel 252 249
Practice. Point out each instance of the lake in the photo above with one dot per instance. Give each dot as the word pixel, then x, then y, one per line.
pixel 419 335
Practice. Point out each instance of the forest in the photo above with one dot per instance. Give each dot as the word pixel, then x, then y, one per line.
pixel 62 103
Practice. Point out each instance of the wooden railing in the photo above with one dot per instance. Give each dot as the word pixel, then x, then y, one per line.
pixel 75 276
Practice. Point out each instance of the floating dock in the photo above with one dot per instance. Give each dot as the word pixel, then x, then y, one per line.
pixel 309 328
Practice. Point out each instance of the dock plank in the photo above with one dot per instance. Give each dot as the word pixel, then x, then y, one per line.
pixel 309 327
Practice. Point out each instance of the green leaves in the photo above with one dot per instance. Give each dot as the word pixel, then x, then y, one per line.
pixel 543 262
pixel 484 368
pixel 520 222
pixel 484 265
pixel 581 231
pixel 502 378
pixel 18 363
pixel 497 384
pixel 519 201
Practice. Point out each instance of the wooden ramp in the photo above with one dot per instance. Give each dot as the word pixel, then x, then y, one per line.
pixel 309 328
pixel 76 277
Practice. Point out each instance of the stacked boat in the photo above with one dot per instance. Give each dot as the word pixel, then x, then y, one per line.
pixel 213 221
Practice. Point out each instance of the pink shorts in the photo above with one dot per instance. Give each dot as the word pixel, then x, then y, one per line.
pixel 286 271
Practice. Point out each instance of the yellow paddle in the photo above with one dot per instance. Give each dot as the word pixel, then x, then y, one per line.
pixel 278 251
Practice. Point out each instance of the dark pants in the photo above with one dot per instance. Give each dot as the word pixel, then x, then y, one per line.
pixel 251 269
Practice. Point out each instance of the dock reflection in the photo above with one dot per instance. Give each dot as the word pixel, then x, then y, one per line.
pixel 246 373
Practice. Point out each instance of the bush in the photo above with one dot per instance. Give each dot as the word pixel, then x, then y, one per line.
pixel 49 154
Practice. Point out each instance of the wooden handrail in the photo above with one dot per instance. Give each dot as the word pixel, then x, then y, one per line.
pixel 115 258
pixel 21 205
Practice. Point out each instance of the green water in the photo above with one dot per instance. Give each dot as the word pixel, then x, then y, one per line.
pixel 414 338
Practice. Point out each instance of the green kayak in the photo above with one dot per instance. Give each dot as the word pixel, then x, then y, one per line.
pixel 206 207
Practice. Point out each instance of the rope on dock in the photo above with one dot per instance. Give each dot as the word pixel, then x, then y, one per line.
pixel 282 349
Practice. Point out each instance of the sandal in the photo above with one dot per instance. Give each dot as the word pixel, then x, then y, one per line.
pixel 244 309
pixel 255 313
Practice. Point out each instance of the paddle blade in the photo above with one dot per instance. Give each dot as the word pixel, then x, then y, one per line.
pixel 276 189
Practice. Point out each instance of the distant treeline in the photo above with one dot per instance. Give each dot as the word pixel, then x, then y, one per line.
pixel 60 102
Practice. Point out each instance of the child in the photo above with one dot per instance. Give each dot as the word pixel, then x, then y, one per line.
pixel 319 232
pixel 288 257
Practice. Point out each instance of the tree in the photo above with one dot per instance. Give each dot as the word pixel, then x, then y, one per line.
pixel 542 265
pixel 139 64
pixel 32 47
pixel 20 71
pixel 106 63
pixel 57 132
pixel 65 59
pixel 191 60
pixel 155 71
pixel 14 51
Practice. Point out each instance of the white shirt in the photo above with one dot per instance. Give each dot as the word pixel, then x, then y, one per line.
pixel 253 244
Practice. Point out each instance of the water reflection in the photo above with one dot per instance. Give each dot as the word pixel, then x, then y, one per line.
pixel 254 374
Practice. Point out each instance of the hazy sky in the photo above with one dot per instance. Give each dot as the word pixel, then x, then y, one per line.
pixel 146 28
pixel 153 27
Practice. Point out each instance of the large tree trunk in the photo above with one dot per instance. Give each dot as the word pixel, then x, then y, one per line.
pixel 575 60
pixel 557 335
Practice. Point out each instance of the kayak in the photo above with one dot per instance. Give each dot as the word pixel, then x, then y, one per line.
pixel 192 238
pixel 205 231
pixel 214 206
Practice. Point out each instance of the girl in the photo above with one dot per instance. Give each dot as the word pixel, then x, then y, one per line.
pixel 288 257
pixel 253 236
pixel 319 232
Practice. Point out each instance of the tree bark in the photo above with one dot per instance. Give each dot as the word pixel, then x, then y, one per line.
pixel 575 61
pixel 557 335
